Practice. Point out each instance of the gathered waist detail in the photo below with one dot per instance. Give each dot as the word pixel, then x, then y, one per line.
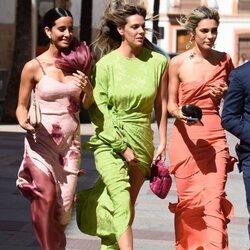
pixel 135 117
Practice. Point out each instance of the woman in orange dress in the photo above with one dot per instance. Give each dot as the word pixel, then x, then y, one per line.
pixel 199 76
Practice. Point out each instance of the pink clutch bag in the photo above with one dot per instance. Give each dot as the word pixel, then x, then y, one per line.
pixel 160 179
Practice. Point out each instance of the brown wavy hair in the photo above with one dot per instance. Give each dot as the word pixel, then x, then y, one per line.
pixel 115 15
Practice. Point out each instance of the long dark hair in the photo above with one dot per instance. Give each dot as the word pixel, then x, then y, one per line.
pixel 77 56
pixel 52 15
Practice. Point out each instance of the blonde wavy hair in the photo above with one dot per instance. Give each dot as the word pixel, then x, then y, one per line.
pixel 190 21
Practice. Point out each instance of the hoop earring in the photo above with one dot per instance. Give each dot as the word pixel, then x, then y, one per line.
pixel 189 44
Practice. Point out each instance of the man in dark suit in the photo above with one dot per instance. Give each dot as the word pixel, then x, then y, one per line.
pixel 236 119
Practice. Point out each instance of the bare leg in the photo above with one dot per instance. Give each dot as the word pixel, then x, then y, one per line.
pixel 137 178
pixel 125 242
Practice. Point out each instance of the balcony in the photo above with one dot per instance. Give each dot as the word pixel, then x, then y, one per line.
pixel 177 7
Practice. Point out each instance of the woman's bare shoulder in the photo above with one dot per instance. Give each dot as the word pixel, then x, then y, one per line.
pixel 31 66
pixel 31 70
pixel 179 59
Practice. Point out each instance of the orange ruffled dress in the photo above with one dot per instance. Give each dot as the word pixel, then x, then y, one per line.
pixel 199 158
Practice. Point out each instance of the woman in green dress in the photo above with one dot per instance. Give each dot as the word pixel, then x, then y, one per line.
pixel 129 80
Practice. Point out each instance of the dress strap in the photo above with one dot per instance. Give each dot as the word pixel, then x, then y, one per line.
pixel 41 66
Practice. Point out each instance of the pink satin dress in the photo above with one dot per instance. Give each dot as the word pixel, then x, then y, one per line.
pixel 50 166
pixel 199 159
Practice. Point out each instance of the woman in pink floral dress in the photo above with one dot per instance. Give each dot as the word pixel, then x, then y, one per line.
pixel 51 163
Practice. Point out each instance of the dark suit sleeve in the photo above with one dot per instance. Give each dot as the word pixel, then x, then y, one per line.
pixel 233 108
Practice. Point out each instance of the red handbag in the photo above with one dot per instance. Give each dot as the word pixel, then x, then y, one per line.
pixel 160 179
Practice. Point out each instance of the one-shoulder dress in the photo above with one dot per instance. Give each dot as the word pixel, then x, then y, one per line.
pixel 199 157
pixel 51 161
pixel 125 91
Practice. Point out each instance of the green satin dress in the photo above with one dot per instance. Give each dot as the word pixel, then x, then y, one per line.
pixel 125 91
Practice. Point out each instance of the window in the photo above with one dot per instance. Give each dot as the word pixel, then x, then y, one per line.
pixel 244 47
pixel 244 6
pixel 182 40
pixel 188 5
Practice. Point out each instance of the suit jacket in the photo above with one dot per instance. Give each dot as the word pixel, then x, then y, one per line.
pixel 236 110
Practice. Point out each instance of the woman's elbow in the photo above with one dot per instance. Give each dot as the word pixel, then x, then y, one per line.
pixel 87 105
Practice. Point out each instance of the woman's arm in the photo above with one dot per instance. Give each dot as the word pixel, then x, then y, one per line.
pixel 173 89
pixel 218 91
pixel 102 116
pixel 87 99
pixel 160 107
pixel 84 83
pixel 27 83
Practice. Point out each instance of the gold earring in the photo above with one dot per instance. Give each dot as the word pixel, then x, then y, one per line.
pixel 189 44
pixel 49 36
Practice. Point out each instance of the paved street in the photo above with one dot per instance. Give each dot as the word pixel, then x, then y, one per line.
pixel 153 225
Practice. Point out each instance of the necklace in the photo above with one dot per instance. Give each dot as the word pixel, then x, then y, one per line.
pixel 192 55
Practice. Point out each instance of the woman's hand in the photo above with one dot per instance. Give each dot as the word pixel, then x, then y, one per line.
pixel 160 153
pixel 83 82
pixel 22 117
pixel 217 91
pixel 27 126
pixel 177 113
pixel 130 157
